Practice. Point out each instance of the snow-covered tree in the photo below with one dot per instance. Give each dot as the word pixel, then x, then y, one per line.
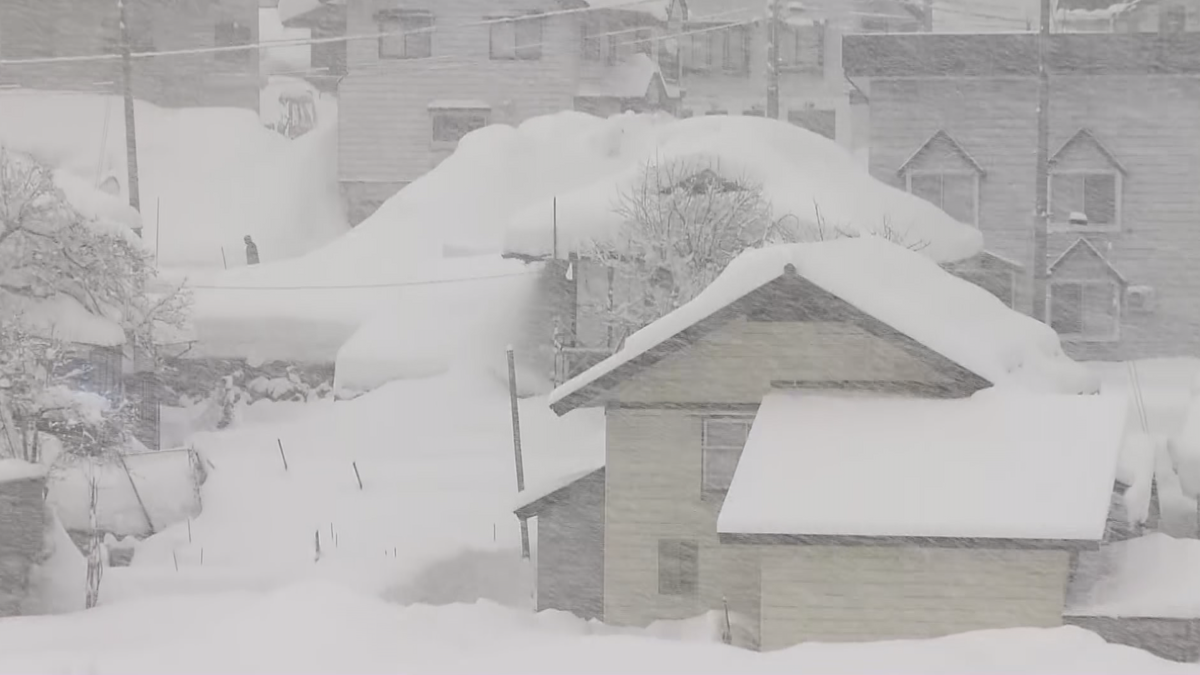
pixel 49 251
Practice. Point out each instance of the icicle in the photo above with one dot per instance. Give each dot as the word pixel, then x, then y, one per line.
pixel 571 271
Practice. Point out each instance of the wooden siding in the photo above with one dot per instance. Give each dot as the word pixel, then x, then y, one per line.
pixel 385 126
pixel 737 363
pixel 45 28
pixel 1148 122
pixel 840 594
pixel 570 552
pixel 652 493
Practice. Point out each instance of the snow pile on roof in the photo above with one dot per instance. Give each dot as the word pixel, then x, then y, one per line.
pixel 903 289
pixel 1185 449
pixel 804 175
pixel 1136 469
pixel 208 176
pixel 17 470
pixel 995 465
pixel 1151 576
pixel 631 78
pixel 62 317
pixel 320 628
pixel 544 489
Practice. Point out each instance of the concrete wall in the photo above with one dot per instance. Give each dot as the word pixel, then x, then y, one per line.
pixel 570 551
pixel 22 538
pixel 851 593
pixel 1148 122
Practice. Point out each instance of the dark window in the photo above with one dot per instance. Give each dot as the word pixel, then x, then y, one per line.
pixel 802 47
pixel 643 41
pixel 716 49
pixel 822 122
pixel 953 193
pixel 722 441
pixel 405 35
pixel 593 45
pixel 1087 310
pixel 1174 19
pixel 1092 194
pixel 517 38
pixel 234 34
pixel 450 125
pixel 678 567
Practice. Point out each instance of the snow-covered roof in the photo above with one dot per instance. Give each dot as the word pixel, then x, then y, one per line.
pixel 12 470
pixel 807 179
pixel 460 104
pixel 997 465
pixel 1151 576
pixel 656 9
pixel 536 493
pixel 899 287
pixel 631 78
pixel 61 317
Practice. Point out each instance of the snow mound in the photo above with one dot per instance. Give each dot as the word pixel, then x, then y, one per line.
pixel 808 179
pixel 12 470
pixel 901 288
pixel 208 176
pixel 1151 576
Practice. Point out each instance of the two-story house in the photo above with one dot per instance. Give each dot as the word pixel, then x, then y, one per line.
pixel 724 56
pixel 814 448
pixel 420 75
pixel 1123 16
pixel 43 29
pixel 954 120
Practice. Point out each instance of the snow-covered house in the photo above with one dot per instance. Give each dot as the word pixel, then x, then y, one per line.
pixel 953 120
pixel 1128 16
pixel 843 441
pixel 42 29
pixel 441 69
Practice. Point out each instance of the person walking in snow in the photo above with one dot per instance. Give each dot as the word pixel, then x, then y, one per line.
pixel 251 251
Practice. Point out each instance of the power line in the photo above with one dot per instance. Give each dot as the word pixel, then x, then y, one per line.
pixel 300 42
pixel 398 284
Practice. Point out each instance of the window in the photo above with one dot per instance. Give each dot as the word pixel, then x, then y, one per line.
pixel 678 567
pixel 1085 310
pixel 952 192
pixel 802 47
pixel 722 440
pixel 725 49
pixel 822 122
pixel 233 34
pixel 1094 194
pixel 450 124
pixel 1174 19
pixel 405 35
pixel 517 38
pixel 593 43
pixel 643 41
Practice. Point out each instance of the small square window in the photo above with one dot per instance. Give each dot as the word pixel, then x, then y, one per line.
pixel 1085 310
pixel 1093 194
pixel 678 567
pixel 953 193
pixel 517 38
pixel 450 125
pixel 722 442
pixel 405 35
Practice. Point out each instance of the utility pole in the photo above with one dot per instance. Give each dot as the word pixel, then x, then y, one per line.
pixel 1042 209
pixel 130 129
pixel 773 23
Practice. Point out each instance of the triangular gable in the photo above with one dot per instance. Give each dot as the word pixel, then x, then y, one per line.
pixel 1084 248
pixel 559 495
pixel 1085 137
pixel 789 297
pixel 941 139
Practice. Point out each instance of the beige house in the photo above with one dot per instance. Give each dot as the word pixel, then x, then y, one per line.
pixel 441 69
pixel 811 448
pixel 39 29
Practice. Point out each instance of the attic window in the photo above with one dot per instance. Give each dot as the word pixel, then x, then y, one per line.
pixel 1086 182
pixel 944 174
pixel 1085 310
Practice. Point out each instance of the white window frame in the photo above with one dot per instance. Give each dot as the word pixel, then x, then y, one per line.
pixel 974 175
pixel 1118 306
pixel 747 419
pixel 513 21
pixel 437 144
pixel 1118 205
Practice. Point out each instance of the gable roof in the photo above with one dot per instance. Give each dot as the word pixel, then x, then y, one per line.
pixel 942 136
pixel 1084 247
pixel 898 288
pixel 533 502
pixel 1086 136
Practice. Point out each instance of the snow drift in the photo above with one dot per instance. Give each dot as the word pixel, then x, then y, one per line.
pixel 208 176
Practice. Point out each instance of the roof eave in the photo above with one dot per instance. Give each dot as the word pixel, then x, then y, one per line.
pixel 767 539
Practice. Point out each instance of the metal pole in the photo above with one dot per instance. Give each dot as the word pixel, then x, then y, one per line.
pixel 1042 208
pixel 516 426
pixel 773 60
pixel 130 130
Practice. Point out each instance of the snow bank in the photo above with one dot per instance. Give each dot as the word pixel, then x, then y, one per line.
pixel 805 176
pixel 57 583
pixel 883 467
pixel 901 288
pixel 316 628
pixel 208 176
pixel 164 485
pixel 435 457
pixel 17 470
pixel 1151 576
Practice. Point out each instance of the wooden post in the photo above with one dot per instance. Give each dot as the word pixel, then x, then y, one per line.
pixel 157 229
pixel 282 454
pixel 516 427
pixel 224 262
pixel 131 159
pixel 356 476
pixel 773 23
pixel 1041 218
pixel 554 254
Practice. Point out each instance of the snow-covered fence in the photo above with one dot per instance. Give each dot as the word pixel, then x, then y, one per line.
pixel 1169 638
